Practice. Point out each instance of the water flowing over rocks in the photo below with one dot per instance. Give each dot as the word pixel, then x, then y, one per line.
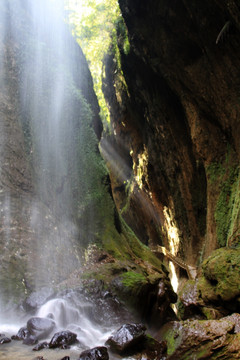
pixel 40 327
pixel 37 298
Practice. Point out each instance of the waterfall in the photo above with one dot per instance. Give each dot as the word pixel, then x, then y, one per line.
pixel 48 196
pixel 47 146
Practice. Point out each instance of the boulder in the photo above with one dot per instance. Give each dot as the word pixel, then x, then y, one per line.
pixel 219 283
pixel 30 340
pixel 22 334
pixel 40 327
pixel 97 353
pixel 5 340
pixel 127 338
pixel 153 349
pixel 189 305
pixel 62 339
pixel 202 339
pixel 40 346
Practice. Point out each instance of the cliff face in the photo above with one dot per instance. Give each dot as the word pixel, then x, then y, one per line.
pixel 177 114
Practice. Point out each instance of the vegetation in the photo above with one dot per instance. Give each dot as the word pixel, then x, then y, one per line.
pixel 225 178
pixel 221 276
pixel 94 26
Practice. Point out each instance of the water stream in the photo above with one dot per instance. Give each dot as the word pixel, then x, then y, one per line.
pixel 69 313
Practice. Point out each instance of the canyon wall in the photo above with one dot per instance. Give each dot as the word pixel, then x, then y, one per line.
pixel 175 124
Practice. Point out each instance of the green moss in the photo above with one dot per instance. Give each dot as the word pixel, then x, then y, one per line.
pixel 215 172
pixel 227 212
pixel 221 276
pixel 133 279
pixel 224 178
pixel 173 338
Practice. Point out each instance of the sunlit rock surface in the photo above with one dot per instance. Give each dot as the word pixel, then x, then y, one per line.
pixel 175 112
pixel 176 116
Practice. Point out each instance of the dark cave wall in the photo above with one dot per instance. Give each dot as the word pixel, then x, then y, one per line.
pixel 181 109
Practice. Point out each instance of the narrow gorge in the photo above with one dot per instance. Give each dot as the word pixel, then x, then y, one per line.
pixel 120 239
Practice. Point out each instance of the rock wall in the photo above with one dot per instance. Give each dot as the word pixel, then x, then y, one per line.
pixel 176 114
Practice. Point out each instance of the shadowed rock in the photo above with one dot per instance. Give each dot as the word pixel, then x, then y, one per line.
pixel 5 340
pixel 42 345
pixel 97 353
pixel 30 340
pixel 22 334
pixel 128 337
pixel 62 339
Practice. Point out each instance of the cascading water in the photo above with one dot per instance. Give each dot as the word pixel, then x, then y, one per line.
pixel 45 186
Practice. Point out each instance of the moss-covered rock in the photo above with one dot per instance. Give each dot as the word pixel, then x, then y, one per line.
pixel 220 281
pixel 188 305
pixel 202 339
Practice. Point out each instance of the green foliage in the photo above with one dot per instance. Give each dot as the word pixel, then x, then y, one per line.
pixel 133 279
pixel 94 26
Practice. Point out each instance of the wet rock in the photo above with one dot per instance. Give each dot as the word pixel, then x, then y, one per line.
pixel 5 340
pixel 188 303
pixel 153 349
pixel 30 340
pixel 66 358
pixel 40 346
pixel 22 334
pixel 40 327
pixel 37 299
pixel 62 339
pixel 202 339
pixel 127 338
pixel 97 353
pixel 105 308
